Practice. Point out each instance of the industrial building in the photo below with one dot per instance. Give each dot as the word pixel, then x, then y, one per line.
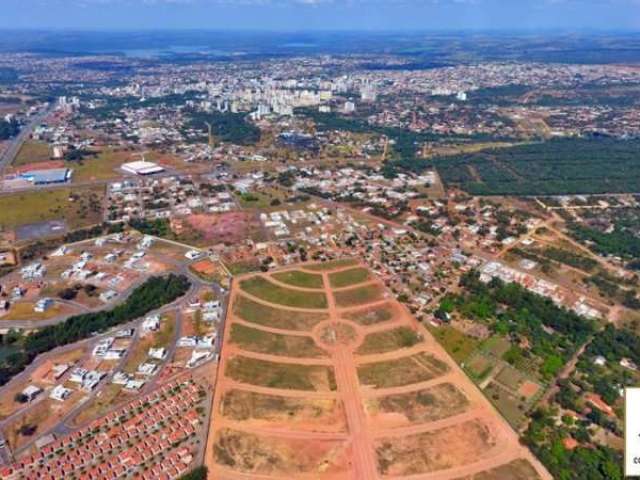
pixel 48 177
pixel 142 168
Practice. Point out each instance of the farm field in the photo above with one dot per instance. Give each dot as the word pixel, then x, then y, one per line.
pixel 352 388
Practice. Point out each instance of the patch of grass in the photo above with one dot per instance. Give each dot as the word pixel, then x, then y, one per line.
pixel 261 288
pixel 32 152
pixel 281 375
pixel 403 371
pixel 298 278
pixel 24 311
pixel 496 346
pixel 332 264
pixel 455 342
pixel 358 295
pixel 240 268
pixel 510 378
pixel 255 312
pixel 389 340
pixel 512 408
pixel 371 316
pixel 102 166
pixel 254 340
pixel 479 366
pixel 78 206
pixel 100 405
pixel 164 336
pixel 349 277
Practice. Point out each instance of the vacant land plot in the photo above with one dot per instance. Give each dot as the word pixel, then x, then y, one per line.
pixel 254 340
pixel 101 166
pixel 299 278
pixel 281 375
pixel 371 316
pixel 389 340
pixel 316 414
pixel 100 405
pixel 403 371
pixel 262 288
pixel 358 295
pixel 346 278
pixel 456 343
pixel 32 152
pixel 229 228
pixel 333 264
pixel 78 207
pixel 257 455
pixel 496 346
pixel 479 366
pixel 517 470
pixel 255 312
pixel 425 405
pixel 432 451
pixel 24 311
pixel 511 378
pixel 511 407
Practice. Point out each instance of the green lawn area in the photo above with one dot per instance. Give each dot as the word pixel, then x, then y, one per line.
pixel 281 375
pixel 261 288
pixel 254 340
pixel 41 205
pixel 299 278
pixel 403 371
pixel 32 152
pixel 358 295
pixel 330 265
pixel 389 340
pixel 456 343
pixel 349 277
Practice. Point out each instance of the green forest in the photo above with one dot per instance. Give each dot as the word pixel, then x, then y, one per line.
pixel 8 129
pixel 556 167
pixel 226 127
pixel 620 243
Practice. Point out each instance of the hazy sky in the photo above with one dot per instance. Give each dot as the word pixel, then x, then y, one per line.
pixel 322 14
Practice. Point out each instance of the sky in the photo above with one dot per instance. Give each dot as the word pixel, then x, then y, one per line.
pixel 302 15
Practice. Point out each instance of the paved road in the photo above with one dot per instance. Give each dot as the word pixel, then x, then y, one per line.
pixel 8 155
